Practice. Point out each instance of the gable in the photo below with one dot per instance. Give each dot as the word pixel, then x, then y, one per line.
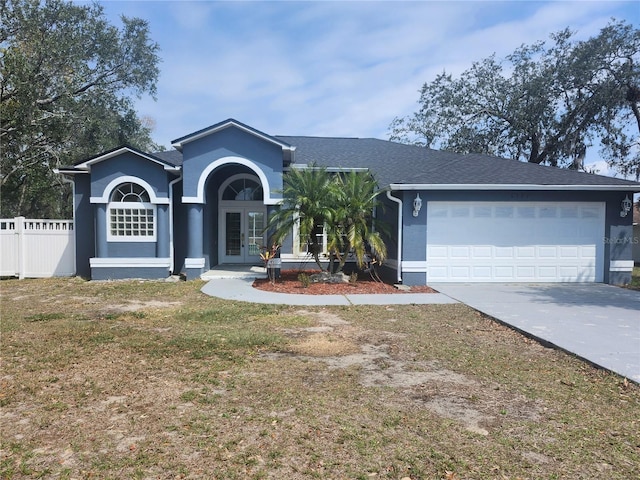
pixel 124 150
pixel 181 142
pixel 127 166
pixel 231 144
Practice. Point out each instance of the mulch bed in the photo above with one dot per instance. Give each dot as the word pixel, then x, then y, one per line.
pixel 289 283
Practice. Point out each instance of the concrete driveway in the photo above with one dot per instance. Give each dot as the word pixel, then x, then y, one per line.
pixel 597 322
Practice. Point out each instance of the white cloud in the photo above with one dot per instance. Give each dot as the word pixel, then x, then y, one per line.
pixel 330 68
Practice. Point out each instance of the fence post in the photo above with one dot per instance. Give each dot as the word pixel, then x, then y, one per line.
pixel 20 246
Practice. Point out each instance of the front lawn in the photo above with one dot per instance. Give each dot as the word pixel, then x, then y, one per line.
pixel 635 278
pixel 156 380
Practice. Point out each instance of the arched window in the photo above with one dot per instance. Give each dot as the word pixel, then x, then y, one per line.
pixel 131 215
pixel 130 192
pixel 243 188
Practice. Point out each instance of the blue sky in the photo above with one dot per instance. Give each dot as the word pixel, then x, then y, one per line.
pixel 331 68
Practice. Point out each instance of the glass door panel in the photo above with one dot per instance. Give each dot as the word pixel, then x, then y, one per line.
pixel 241 234
pixel 255 225
pixel 233 229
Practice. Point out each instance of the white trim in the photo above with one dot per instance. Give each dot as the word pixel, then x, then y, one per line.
pixel 230 160
pixel 414 266
pixel 194 263
pixel 69 171
pixel 295 235
pixel 106 193
pixel 132 238
pixel 305 166
pixel 132 262
pixel 120 151
pixel 302 257
pixel 65 179
pixel 180 142
pixel 241 207
pixel 399 236
pixel 516 186
pixel 621 266
pixel 233 178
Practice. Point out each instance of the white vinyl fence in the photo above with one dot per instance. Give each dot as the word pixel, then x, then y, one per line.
pixel 37 248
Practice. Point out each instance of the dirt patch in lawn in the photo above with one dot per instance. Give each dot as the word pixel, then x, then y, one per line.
pixel 156 380
pixel 134 306
pixel 424 384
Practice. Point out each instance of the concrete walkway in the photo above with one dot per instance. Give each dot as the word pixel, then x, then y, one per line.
pixel 597 322
pixel 236 287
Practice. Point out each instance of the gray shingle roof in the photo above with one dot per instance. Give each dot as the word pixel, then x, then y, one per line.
pixel 407 164
pixel 173 157
pixel 396 163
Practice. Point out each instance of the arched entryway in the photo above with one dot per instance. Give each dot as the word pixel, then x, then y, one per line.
pixel 242 219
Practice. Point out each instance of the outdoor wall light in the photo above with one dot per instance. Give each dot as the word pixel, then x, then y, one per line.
pixel 626 206
pixel 417 205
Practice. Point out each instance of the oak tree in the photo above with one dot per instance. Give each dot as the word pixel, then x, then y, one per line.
pixel 546 103
pixel 68 79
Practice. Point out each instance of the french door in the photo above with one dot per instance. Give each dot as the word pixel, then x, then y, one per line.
pixel 241 234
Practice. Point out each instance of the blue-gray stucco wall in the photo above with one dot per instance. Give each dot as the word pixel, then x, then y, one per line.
pixel 117 273
pixel 132 249
pixel 180 229
pixel 231 142
pixel 91 219
pixel 129 164
pixel 84 231
pixel 618 230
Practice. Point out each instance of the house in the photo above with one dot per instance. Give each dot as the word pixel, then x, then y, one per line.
pixel 635 239
pixel 454 218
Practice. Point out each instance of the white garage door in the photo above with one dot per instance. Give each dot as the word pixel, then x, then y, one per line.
pixel 515 242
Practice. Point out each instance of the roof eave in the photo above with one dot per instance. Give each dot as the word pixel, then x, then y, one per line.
pixel 69 170
pixel 180 142
pixel 516 186
pixel 86 165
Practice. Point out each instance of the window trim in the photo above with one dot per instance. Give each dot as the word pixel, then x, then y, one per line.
pixel 297 244
pixel 240 176
pixel 111 237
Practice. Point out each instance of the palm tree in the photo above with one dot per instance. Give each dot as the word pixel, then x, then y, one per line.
pixel 352 230
pixel 307 202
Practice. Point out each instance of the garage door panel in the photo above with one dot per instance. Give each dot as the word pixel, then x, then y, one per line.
pixel 460 273
pixel 504 272
pixel 568 252
pixel 460 252
pixel 438 271
pixel 437 251
pixel 573 272
pixel 482 273
pixel 547 273
pixel 532 241
pixel 547 251
pixel 525 272
pixel 482 251
pixel 526 252
pixel 503 252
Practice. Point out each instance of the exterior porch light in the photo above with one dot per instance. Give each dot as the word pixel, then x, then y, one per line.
pixel 417 205
pixel 626 206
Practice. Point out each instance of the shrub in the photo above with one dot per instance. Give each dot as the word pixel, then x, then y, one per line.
pixel 304 280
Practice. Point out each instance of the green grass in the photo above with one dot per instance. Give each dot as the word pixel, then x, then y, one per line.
pixel 635 278
pixel 189 386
